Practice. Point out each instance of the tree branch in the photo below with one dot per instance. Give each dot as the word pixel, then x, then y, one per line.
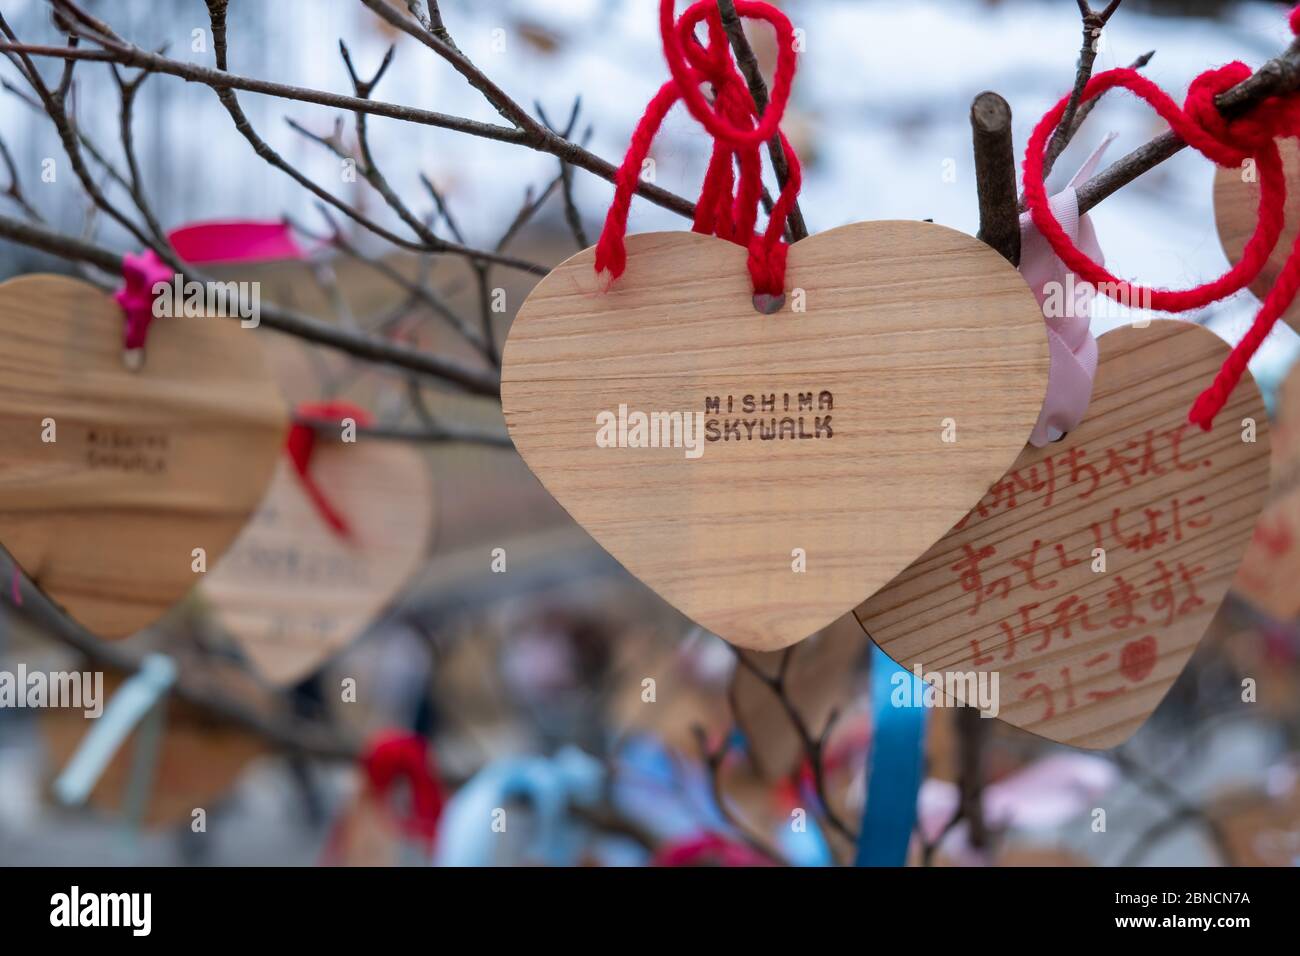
pixel 995 175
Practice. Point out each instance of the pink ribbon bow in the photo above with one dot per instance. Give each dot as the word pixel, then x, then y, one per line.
pixel 1072 348
pixel 140 273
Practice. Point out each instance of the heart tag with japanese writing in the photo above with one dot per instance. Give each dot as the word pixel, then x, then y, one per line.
pixel 292 591
pixel 118 487
pixel 765 473
pixel 1070 598
pixel 1271 568
pixel 1236 210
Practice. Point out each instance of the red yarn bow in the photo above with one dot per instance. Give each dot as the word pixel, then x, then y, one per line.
pixel 738 131
pixel 394 756
pixel 1228 143
pixel 300 444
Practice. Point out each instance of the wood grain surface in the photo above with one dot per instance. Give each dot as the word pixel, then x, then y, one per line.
pixel 291 591
pixel 147 466
pixel 199 759
pixel 904 325
pixel 1083 657
pixel 1269 577
pixel 1236 201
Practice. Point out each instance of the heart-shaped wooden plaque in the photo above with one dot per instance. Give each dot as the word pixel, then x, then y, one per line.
pixel 843 435
pixel 200 757
pixel 292 591
pixel 1269 577
pixel 1085 651
pixel 1236 210
pixel 111 478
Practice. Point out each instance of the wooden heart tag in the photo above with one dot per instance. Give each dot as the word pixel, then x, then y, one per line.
pixel 1270 571
pixel 1084 651
pixel 1236 209
pixel 111 478
pixel 199 759
pixel 292 591
pixel 764 473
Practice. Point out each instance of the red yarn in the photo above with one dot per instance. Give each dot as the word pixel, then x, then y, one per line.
pixel 392 756
pixel 1228 143
pixel 708 849
pixel 395 755
pixel 301 443
pixel 738 132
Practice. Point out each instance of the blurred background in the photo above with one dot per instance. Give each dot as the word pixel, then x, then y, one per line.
pixel 531 683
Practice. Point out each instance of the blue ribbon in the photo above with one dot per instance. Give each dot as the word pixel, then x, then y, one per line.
pixel 465 833
pixel 894 771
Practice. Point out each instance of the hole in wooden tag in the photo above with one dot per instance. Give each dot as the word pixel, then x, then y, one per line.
pixel 767 303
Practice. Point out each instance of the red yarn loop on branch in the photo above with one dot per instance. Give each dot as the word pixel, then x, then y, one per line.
pixel 733 184
pixel 1229 143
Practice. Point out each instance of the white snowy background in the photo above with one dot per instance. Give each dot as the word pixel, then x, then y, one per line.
pixel 881 105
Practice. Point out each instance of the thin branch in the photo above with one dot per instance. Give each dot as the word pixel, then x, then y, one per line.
pixel 995 175
pixel 1277 77
pixel 434 434
pixel 15 188
pixel 474 381
pixel 758 90
pixel 545 141
pixel 571 214
pixel 713 760
pixel 128 90
pixel 1093 25
pixel 813 746
pixel 281 728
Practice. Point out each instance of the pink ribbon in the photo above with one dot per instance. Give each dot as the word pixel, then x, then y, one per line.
pixel 1072 348
pixel 140 273
pixel 232 241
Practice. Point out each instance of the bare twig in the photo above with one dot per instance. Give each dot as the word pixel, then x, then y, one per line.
pixel 281 728
pixel 995 175
pixel 713 760
pixel 1093 24
pixel 433 434
pixel 571 214
pixel 374 349
pixel 1279 76
pixel 536 137
pixel 748 64
pixel 814 747
pixel 15 188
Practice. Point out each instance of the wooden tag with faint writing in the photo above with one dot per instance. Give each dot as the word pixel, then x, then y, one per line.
pixel 111 479
pixel 1236 210
pixel 765 473
pixel 1082 654
pixel 1269 576
pixel 199 756
pixel 292 591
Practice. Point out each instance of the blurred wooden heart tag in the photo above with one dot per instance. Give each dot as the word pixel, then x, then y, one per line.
pixel 1236 210
pixel 343 527
pixel 114 483
pixel 1071 597
pixel 1270 569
